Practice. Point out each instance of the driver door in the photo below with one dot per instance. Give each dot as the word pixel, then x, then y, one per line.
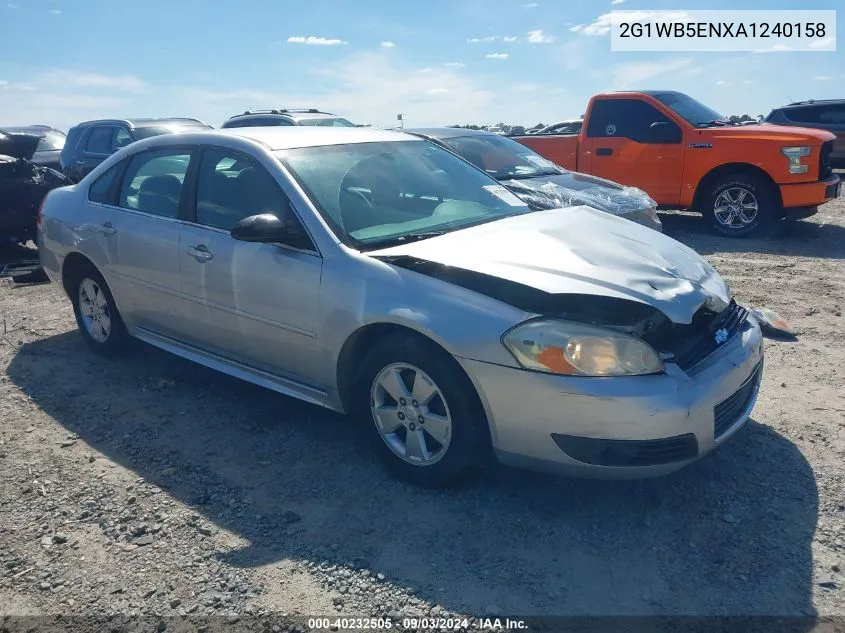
pixel 253 303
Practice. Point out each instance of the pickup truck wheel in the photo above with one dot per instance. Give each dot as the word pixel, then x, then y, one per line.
pixel 739 205
pixel 422 411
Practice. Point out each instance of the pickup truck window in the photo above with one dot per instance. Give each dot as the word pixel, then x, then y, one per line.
pixel 625 118
pixel 693 111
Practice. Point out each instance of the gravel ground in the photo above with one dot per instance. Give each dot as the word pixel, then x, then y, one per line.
pixel 151 486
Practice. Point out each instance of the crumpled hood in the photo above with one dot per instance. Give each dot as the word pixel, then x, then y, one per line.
pixel 18 145
pixel 580 250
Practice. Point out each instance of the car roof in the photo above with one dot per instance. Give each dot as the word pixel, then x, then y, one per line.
pixel 447 132
pixel 148 122
pixel 278 137
pixel 811 102
pixel 32 129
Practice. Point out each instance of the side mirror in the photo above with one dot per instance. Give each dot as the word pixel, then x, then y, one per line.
pixel 664 132
pixel 265 227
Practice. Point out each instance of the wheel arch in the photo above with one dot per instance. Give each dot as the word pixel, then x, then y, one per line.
pixel 73 264
pixel 361 340
pixel 734 169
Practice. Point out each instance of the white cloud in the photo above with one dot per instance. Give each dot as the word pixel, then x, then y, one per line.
pixel 601 25
pixel 537 37
pixel 436 91
pixel 315 41
pixel 64 78
pixel 722 82
pixel 777 48
pixel 530 5
pixel 497 55
pixel 387 44
pixel 456 64
pixel 822 78
pixel 56 11
pixel 825 43
pixel 492 38
pixel 616 1
pixel 631 74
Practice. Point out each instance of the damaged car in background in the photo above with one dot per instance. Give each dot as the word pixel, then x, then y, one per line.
pixel 538 181
pixel 380 275
pixel 23 185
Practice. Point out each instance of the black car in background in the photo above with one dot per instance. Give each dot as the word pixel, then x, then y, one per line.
pixel 49 147
pixel 287 116
pixel 823 115
pixel 23 185
pixel 90 143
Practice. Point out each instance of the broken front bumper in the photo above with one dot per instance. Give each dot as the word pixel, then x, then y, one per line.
pixel 624 427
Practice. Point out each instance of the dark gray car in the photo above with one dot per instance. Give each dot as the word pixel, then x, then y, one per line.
pixel 539 182
pixel 286 117
pixel 89 144
pixel 49 147
pixel 822 115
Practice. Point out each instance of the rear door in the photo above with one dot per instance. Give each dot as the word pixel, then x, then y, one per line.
pixel 257 304
pixel 144 239
pixel 616 145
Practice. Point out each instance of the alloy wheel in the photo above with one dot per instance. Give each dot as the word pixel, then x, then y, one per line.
pixel 736 208
pixel 411 414
pixel 94 308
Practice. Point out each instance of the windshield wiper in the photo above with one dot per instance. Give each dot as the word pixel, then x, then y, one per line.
pixel 536 174
pixel 404 239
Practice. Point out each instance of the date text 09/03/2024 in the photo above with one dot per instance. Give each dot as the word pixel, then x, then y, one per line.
pixel 412 624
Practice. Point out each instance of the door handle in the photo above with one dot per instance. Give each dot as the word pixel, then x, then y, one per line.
pixel 604 151
pixel 106 228
pixel 200 253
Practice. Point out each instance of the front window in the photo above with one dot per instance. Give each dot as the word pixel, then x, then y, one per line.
pixel 693 111
pixel 501 157
pixel 326 122
pixel 379 194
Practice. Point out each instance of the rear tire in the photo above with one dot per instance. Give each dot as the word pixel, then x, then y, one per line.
pixel 96 313
pixel 739 205
pixel 424 417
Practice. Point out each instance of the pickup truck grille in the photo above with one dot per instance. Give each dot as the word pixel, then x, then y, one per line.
pixel 825 167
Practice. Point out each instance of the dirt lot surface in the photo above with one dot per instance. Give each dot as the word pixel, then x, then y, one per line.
pixel 149 485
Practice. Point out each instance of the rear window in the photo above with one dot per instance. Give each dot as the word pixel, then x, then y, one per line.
pixel 326 122
pixel 158 130
pixel 51 141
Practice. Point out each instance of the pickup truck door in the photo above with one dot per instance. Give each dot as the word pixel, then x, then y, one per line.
pixel 622 143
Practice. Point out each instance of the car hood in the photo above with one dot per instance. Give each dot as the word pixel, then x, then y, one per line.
pixel 18 145
pixel 576 251
pixel 571 189
pixel 771 132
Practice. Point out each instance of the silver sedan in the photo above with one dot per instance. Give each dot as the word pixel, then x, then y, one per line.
pixel 377 274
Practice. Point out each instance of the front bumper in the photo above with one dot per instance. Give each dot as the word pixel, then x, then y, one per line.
pixel 810 194
pixel 530 412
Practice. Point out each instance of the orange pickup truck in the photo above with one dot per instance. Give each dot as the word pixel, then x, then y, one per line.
pixel 687 156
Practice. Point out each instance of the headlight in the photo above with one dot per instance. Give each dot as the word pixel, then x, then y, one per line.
pixel 794 155
pixel 563 347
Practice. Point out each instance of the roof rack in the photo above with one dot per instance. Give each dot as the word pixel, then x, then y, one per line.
pixel 812 101
pixel 285 111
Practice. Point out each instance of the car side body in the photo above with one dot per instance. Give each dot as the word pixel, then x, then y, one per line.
pixel 302 312
pixel 823 114
pixel 90 143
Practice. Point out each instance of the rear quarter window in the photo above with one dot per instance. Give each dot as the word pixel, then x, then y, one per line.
pixel 103 189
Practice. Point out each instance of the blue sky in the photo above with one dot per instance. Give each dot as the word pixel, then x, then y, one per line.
pixel 438 62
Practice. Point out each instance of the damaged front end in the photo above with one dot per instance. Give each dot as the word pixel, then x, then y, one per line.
pixel 629 202
pixel 685 344
pixel 23 186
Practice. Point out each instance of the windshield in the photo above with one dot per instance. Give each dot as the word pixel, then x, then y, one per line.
pixel 51 141
pixel 501 157
pixel 379 194
pixel 693 111
pixel 327 122
pixel 148 131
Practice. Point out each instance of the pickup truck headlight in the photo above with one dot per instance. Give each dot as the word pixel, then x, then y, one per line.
pixel 794 155
pixel 574 349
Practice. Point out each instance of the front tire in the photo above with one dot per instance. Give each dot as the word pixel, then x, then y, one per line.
pixel 425 420
pixel 97 315
pixel 738 205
